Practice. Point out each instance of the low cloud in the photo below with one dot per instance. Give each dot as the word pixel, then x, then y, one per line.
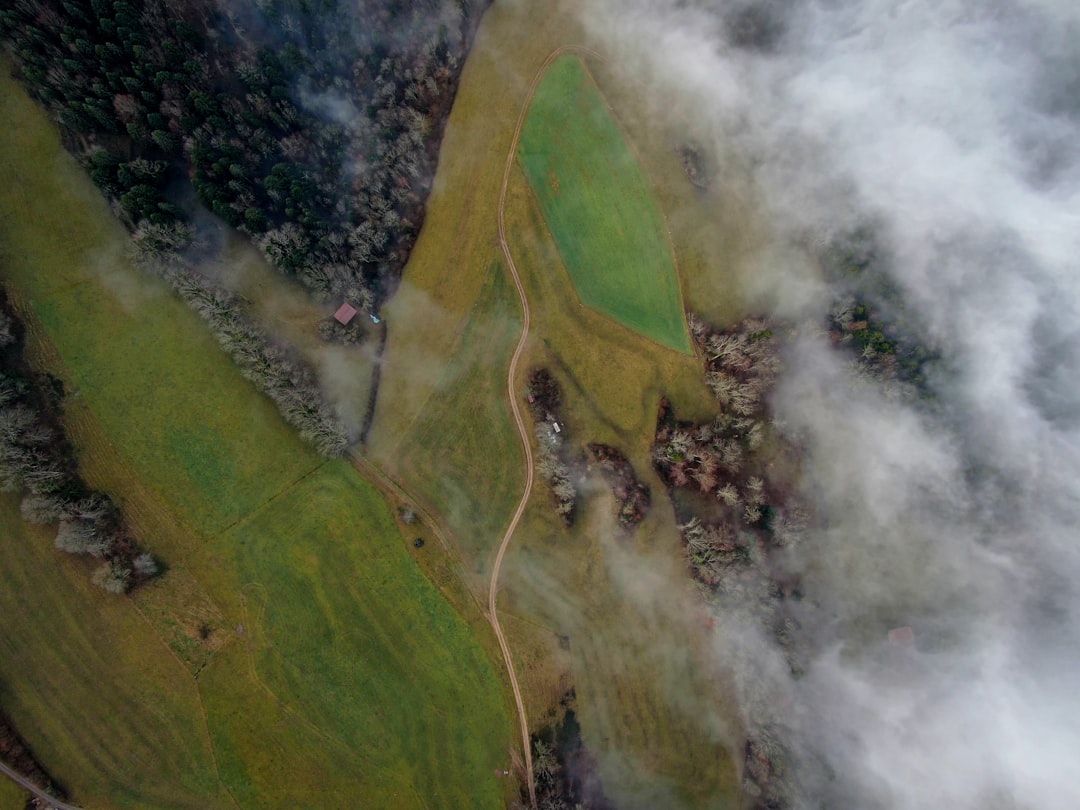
pixel 949 130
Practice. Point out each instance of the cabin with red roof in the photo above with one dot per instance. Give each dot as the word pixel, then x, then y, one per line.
pixel 345 313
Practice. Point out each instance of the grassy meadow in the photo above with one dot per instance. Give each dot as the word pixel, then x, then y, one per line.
pixel 343 622
pixel 104 706
pixel 12 797
pixel 599 207
pixel 652 713
pixel 330 667
pixel 460 424
pixel 648 701
pixel 330 671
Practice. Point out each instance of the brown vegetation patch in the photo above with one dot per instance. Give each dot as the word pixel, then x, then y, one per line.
pixel 631 495
pixel 732 484
pixel 566 772
pixel 554 460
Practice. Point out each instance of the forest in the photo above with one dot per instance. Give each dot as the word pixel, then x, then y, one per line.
pixel 316 137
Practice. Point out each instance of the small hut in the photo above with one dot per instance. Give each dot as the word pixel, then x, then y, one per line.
pixel 902 635
pixel 345 313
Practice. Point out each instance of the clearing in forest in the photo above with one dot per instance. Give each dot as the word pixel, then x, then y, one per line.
pixel 596 201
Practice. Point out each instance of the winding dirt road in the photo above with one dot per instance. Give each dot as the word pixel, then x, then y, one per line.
pixel 516 409
pixel 26 784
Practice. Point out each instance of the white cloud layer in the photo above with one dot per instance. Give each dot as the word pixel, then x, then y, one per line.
pixel 951 126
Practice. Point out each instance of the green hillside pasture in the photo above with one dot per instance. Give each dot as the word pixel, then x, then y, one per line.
pixel 169 397
pixel 449 313
pixel 602 213
pixel 648 702
pixel 100 700
pixel 346 631
pixel 360 680
pixel 12 797
pixel 462 428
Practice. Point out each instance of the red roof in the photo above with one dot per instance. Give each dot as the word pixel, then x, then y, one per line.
pixel 902 635
pixel 345 313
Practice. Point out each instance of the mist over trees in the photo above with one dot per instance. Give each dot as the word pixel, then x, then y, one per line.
pixel 275 370
pixel 732 483
pixel 310 126
pixel 869 318
pixel 949 510
pixel 37 461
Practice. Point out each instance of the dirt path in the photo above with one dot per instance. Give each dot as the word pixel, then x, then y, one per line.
pixel 516 409
pixel 23 782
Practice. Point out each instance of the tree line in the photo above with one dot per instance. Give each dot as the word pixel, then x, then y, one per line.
pixel 312 127
pixel 742 472
pixel 37 460
pixel 274 369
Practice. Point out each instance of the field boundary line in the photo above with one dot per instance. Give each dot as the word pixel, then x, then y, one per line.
pixel 198 695
pixel 459 332
pixel 248 646
pixel 255 510
pixel 392 485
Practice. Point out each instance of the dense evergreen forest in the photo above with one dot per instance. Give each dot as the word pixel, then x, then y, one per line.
pixel 312 125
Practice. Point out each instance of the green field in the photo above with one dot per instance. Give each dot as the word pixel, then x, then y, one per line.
pixel 650 705
pixel 464 420
pixel 339 676
pixel 599 207
pixel 12 797
pixel 103 705
pixel 344 623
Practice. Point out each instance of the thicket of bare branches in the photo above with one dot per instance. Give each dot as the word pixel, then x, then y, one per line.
pixel 280 374
pixel 553 462
pixel 36 460
pixel 551 467
pixel 632 496
pixel 735 514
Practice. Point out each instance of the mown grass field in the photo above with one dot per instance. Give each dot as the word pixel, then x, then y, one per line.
pixel 338 676
pixel 599 206
pixel 104 706
pixel 464 420
pixel 651 708
pixel 12 797
pixel 162 388
pixel 344 622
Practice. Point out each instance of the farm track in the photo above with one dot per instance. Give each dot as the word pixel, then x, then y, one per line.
pixel 23 782
pixel 504 244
